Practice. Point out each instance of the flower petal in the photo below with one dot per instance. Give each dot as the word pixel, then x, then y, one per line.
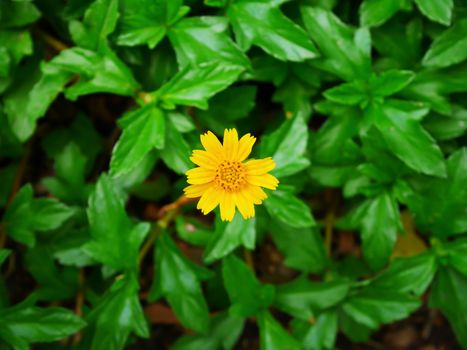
pixel 200 176
pixel 244 205
pixel 230 144
pixel 212 144
pixel 194 191
pixel 259 166
pixel 254 193
pixel 227 206
pixel 209 200
pixel 265 180
pixel 204 159
pixel 245 145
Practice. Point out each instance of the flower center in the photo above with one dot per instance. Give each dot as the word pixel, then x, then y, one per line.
pixel 230 175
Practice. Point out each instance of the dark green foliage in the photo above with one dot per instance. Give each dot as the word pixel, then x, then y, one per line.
pixel 363 110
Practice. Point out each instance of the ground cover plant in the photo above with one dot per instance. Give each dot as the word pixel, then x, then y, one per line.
pixel 326 205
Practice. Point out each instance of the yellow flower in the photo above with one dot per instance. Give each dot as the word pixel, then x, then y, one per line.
pixel 223 178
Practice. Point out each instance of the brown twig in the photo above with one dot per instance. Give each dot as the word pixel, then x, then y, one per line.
pixel 249 258
pixel 328 231
pixel 51 41
pixel 79 303
pixel 15 188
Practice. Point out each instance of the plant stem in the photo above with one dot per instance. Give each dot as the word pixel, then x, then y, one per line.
pixel 166 215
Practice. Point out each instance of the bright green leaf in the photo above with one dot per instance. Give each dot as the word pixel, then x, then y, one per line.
pixel 230 235
pixel 146 21
pixel 448 294
pixel 99 21
pixel 437 10
pixel 178 280
pixel 23 325
pixel 143 131
pixel 304 299
pixel 223 334
pixel 198 40
pixel 273 336
pixel 115 239
pixel 117 314
pixel 176 152
pixel 26 215
pixel 193 86
pixel 448 48
pixel 346 52
pixel 252 297
pixel 261 23
pixel 287 146
pixel 375 12
pixel 282 205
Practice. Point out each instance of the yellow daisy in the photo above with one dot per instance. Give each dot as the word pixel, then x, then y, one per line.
pixel 223 178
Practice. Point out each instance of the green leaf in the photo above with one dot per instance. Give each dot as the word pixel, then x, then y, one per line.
pixel 223 334
pixel 147 21
pixel 412 274
pixel 287 146
pixel 346 52
pixel 372 307
pixel 322 334
pixel 31 99
pixel 353 93
pixel 4 253
pixel 177 279
pixel 437 10
pixel 198 40
pixel 143 131
pixel 17 44
pixel 252 297
pixel 99 21
pixel 70 172
pixel 117 314
pixel 192 231
pixel 432 86
pixel 408 140
pixel 232 104
pixel 115 239
pixel 67 248
pixel 378 86
pixel 176 152
pixel 303 248
pixel 448 48
pixel 15 14
pixel 230 235
pixel 375 12
pixel 448 294
pixel 54 283
pixel 26 215
pixel 295 98
pixel 333 143
pixel 440 204
pixel 273 336
pixel 399 41
pixel 456 254
pixel 261 23
pixel 22 325
pixel 389 82
pixel 99 72
pixel 193 86
pixel 379 227
pixel 304 299
pixel 447 127
pixel 282 205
